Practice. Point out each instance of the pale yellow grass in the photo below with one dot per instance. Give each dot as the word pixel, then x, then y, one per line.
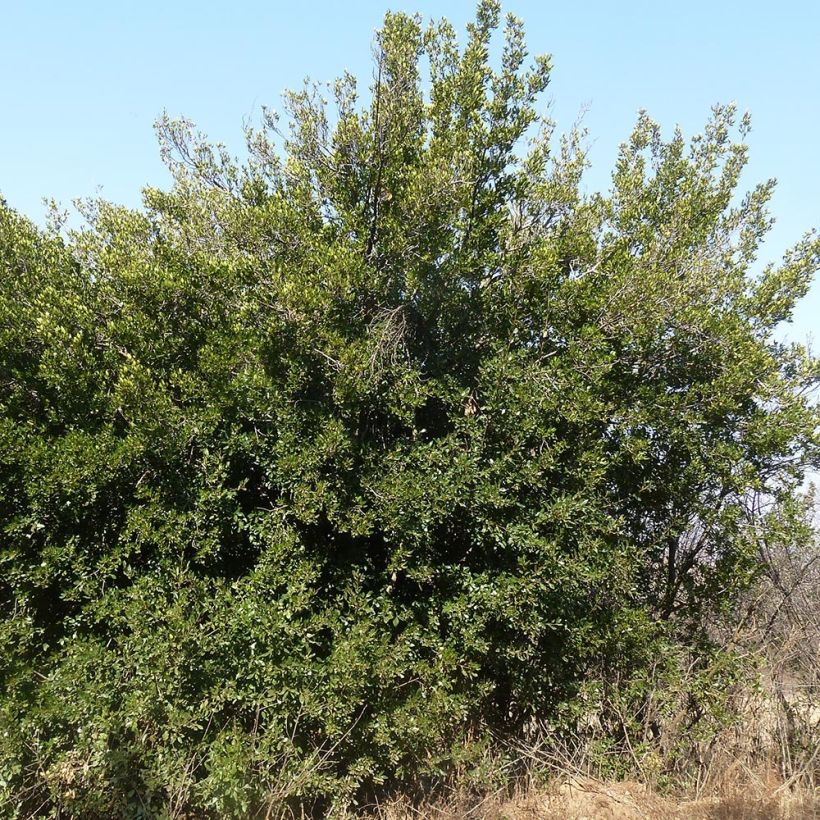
pixel 587 799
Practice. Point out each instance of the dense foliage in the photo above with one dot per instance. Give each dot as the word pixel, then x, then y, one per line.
pixel 326 466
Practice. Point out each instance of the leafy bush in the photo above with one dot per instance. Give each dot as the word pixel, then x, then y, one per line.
pixel 326 467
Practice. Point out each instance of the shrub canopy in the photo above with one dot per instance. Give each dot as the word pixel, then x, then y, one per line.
pixel 386 436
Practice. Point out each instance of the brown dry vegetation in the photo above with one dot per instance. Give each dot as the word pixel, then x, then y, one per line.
pixel 588 799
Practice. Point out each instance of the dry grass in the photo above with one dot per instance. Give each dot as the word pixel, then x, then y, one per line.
pixel 593 800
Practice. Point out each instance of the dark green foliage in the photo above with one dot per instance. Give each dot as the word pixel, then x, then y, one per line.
pixel 321 465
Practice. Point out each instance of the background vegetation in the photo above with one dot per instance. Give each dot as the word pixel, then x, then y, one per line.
pixel 343 468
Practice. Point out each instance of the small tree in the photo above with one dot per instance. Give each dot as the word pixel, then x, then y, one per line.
pixel 320 463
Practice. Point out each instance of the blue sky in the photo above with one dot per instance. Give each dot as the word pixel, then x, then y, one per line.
pixel 83 83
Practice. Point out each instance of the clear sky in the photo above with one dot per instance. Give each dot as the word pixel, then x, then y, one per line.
pixel 84 81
